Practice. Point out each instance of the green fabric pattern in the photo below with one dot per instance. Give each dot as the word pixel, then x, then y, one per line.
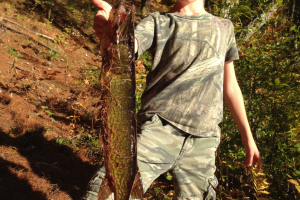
pixel 185 84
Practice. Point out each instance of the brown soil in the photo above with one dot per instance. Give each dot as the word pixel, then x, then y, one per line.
pixel 48 146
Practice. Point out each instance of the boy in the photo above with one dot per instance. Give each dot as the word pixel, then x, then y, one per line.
pixel 192 71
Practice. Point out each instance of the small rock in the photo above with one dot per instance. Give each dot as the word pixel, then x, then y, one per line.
pixel 47 64
pixel 49 69
pixel 63 60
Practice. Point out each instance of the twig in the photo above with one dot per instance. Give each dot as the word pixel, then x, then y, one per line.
pixel 39 42
pixel 20 68
pixel 16 74
pixel 39 34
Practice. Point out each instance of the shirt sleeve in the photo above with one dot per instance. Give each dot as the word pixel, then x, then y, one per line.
pixel 144 33
pixel 232 50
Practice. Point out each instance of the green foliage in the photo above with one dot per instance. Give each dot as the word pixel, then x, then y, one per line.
pixel 140 87
pixel 52 55
pixel 87 140
pixel 169 176
pixel 141 78
pixel 90 75
pixel 13 131
pixel 147 60
pixel 90 141
pixel 60 39
pixel 268 75
pixel 13 52
pixel 47 110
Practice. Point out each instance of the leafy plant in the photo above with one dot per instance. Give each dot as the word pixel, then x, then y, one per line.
pixel 52 54
pixel 13 131
pixel 91 75
pixel 147 59
pixel 47 110
pixel 60 38
pixel 140 87
pixel 13 52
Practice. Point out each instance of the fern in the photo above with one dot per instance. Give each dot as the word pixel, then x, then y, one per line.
pixel 296 184
pixel 260 183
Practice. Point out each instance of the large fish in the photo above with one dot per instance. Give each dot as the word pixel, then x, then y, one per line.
pixel 117 114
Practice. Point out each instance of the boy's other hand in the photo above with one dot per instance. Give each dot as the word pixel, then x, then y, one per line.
pixel 252 154
pixel 101 18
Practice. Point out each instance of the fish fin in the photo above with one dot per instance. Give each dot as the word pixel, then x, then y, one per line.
pixel 105 190
pixel 137 187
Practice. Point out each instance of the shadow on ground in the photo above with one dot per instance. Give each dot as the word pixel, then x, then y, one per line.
pixel 47 159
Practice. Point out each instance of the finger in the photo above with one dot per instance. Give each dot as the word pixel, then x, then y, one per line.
pixel 259 163
pixel 251 166
pixel 102 5
pixel 100 19
pixel 250 161
pixel 246 161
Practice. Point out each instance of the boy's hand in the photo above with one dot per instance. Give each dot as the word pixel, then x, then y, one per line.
pixel 100 19
pixel 252 154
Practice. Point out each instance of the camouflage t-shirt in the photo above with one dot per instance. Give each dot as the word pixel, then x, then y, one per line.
pixel 185 84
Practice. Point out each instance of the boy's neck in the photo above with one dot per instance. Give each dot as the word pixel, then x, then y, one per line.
pixel 189 7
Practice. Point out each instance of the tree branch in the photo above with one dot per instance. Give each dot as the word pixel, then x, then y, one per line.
pixel 42 35
pixel 39 42
pixel 20 68
pixel 259 22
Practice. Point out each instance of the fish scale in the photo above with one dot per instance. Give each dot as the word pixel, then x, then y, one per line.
pixel 117 115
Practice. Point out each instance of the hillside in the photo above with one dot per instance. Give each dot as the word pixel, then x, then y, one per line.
pixel 48 91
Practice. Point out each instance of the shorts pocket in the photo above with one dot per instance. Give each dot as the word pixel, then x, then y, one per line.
pixel 154 120
pixel 211 193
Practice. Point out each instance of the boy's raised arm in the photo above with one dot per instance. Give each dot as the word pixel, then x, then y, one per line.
pixel 234 99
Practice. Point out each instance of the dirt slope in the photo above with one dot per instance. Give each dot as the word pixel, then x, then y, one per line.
pixel 48 136
pixel 48 147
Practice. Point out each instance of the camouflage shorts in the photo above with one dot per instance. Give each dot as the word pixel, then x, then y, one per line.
pixel 191 160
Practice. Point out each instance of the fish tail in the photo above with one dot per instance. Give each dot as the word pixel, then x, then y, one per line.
pixel 105 189
pixel 137 187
